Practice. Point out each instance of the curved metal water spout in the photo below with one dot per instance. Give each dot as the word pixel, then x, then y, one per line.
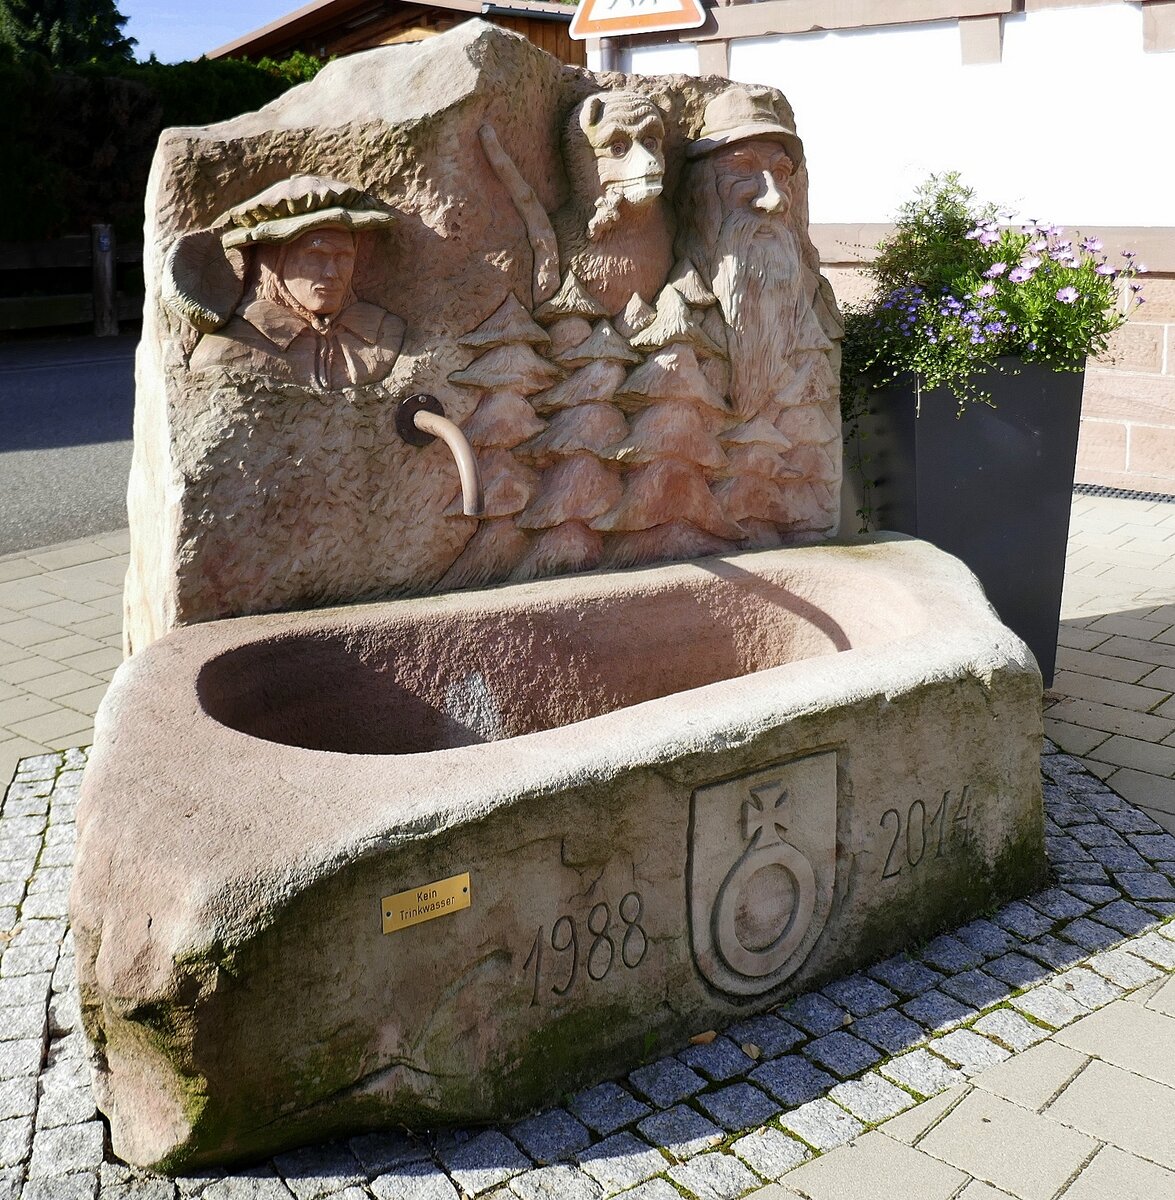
pixel 421 418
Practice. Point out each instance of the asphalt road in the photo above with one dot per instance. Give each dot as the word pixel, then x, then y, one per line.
pixel 65 438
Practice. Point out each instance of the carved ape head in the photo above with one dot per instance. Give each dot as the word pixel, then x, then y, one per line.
pixel 615 148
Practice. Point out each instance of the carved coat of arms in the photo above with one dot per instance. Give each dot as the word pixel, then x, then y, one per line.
pixel 762 864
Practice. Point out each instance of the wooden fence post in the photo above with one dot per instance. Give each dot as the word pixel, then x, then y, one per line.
pixel 105 295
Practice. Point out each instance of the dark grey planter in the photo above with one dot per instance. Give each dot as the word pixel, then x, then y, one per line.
pixel 993 486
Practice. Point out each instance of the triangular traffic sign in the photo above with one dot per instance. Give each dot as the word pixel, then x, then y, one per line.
pixel 616 18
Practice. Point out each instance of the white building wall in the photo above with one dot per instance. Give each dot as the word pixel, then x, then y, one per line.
pixel 1072 125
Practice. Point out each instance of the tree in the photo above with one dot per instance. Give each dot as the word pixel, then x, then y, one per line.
pixel 66 33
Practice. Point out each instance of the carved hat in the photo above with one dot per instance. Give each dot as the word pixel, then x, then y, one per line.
pixel 298 204
pixel 738 115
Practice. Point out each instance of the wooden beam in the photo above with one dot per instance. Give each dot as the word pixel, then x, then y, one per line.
pixel 807 16
pixel 1158 26
pixel 714 58
pixel 981 39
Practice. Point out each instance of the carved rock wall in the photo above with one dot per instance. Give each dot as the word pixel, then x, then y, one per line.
pixel 605 435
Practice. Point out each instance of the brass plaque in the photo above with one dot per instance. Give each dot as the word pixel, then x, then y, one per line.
pixel 419 904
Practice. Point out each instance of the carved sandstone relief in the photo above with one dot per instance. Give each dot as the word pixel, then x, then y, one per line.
pixel 614 231
pixel 692 402
pixel 614 297
pixel 300 321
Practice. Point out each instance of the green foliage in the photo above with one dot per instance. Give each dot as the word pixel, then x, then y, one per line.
pixel 209 90
pixel 956 291
pixel 82 140
pixel 64 33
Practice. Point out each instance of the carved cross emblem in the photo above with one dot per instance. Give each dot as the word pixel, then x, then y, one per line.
pixel 763 813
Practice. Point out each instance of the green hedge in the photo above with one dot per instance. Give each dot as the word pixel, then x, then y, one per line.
pixel 77 145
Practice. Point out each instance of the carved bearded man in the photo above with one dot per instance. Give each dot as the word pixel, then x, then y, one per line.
pixel 735 205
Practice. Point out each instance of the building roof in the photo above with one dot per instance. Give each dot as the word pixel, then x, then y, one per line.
pixel 351 15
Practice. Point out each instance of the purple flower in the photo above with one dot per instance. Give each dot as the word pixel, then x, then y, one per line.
pixel 993 272
pixel 1030 262
pixel 1067 295
pixel 988 238
pixel 1140 268
pixel 1103 269
pixel 1091 245
pixel 972 234
pixel 1129 253
pixel 1019 274
pixel 1037 246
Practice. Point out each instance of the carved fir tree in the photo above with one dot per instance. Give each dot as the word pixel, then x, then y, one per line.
pixel 672 448
pixel 577 486
pixel 506 372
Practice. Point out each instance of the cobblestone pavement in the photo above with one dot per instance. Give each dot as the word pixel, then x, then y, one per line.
pixel 1030 1055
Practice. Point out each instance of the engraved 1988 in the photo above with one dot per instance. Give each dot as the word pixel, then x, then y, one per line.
pixel 594 952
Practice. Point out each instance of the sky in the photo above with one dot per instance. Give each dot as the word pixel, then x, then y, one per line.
pixel 179 29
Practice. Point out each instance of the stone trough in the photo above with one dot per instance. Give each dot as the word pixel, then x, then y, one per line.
pixel 443 859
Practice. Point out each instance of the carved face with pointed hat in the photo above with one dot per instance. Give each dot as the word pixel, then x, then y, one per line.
pixel 754 154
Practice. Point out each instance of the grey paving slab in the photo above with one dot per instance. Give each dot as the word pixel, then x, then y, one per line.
pixel 1049 1006
pixel 816 1014
pixel 859 995
pixel 1009 1029
pixel 1034 1078
pixel 1130 1036
pixel 877 1166
pixel 822 1124
pixel 842 1054
pixel 793 1080
pixel 1114 1173
pixel 969 1051
pixel 1119 1107
pixel 905 975
pixel 771 1035
pixel 872 1098
pixel 318 1171
pixel 556 1182
pixel 718 1060
pixel 921 1072
pixel 621 1161
pixel 607 1107
pixel 682 1131
pixel 739 1106
pixel 1008 1146
pixel 551 1136
pixel 411 1181
pixel 912 1125
pixel 715 1176
pixel 890 1031
pixel 485 1161
pixel 935 1011
pixel 1123 968
pixel 770 1152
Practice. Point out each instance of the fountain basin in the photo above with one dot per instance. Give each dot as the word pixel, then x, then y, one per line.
pixel 444 859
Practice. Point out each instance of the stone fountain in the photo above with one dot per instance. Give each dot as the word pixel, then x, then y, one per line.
pixel 500 706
